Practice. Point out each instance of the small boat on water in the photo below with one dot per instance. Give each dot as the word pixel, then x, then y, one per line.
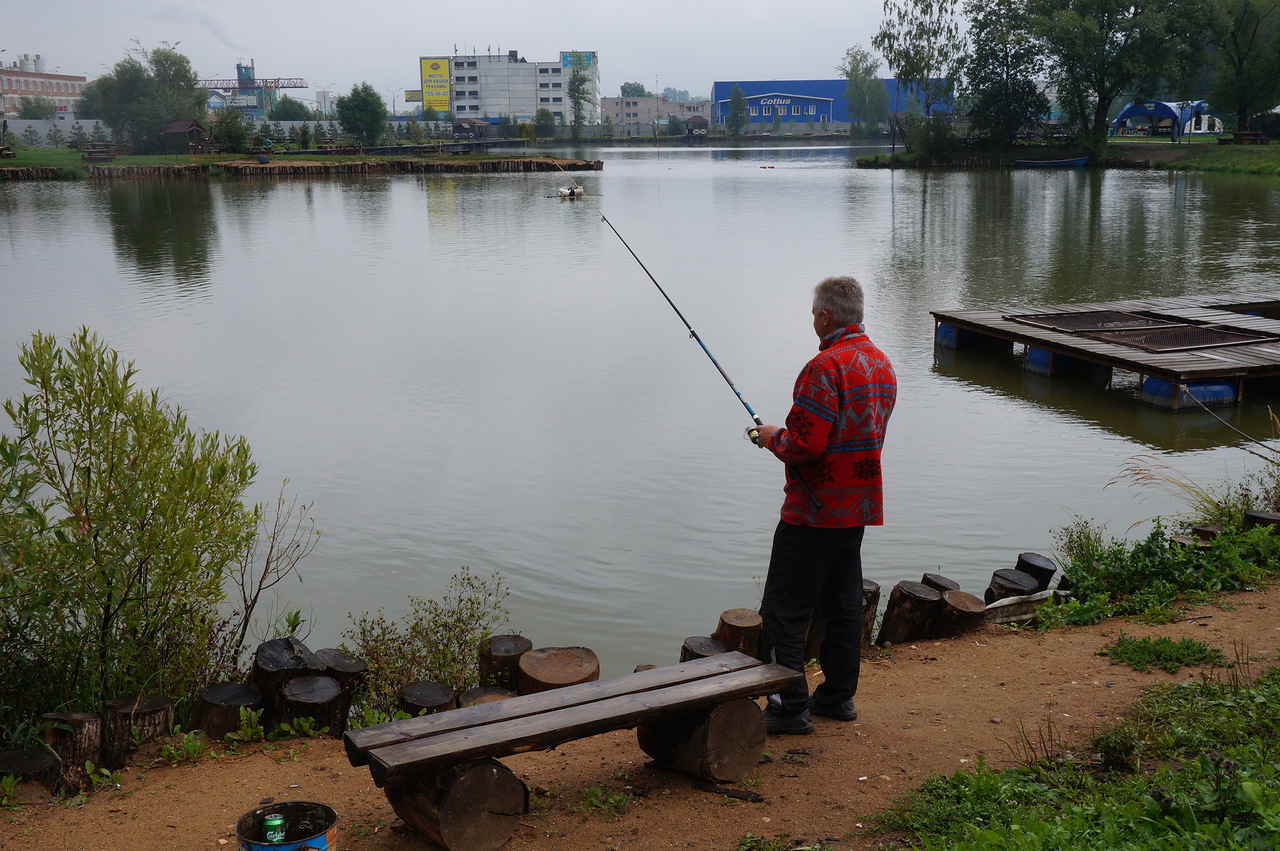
pixel 1074 162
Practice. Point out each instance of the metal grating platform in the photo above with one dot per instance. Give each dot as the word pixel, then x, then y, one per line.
pixel 1090 320
pixel 1177 338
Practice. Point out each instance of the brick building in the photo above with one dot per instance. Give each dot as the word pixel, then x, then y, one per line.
pixel 29 77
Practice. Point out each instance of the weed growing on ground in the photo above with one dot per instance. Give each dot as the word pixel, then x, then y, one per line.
pixel 250 726
pixel 1142 654
pixel 781 842
pixel 298 728
pixel 597 800
pixel 191 748
pixel 9 784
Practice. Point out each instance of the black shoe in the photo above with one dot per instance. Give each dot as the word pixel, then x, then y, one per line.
pixel 840 711
pixel 796 725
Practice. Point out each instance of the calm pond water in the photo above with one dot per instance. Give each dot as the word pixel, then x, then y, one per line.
pixel 466 371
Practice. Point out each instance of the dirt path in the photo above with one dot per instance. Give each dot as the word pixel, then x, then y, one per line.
pixel 931 707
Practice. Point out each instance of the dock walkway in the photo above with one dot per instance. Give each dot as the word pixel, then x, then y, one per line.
pixel 1186 340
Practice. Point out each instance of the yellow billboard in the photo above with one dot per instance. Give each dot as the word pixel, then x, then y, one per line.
pixel 413 95
pixel 435 82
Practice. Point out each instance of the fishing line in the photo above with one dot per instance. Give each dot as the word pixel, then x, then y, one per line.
pixel 751 433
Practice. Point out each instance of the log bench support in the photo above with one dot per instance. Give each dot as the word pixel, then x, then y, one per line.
pixel 441 774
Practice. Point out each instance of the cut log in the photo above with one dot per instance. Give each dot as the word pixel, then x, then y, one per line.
pixel 275 663
pixel 1253 518
pixel 723 743
pixel 700 647
pixel 218 707
pixel 555 667
pixel 961 612
pixel 1009 583
pixel 350 673
pixel 129 721
pixel 500 660
pixel 76 738
pixel 739 629
pixel 31 766
pixel 817 629
pixel 870 608
pixel 426 698
pixel 1207 531
pixel 1041 568
pixel 909 613
pixel 476 695
pixel 940 583
pixel 475 806
pixel 318 698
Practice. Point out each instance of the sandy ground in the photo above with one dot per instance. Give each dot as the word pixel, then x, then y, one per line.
pixel 930 707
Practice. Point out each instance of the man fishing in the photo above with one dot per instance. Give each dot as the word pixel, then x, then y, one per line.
pixel 831 447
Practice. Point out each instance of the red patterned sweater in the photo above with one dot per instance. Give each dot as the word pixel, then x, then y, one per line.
pixel 834 432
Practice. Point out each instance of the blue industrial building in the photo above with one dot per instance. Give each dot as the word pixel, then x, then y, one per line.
pixel 799 101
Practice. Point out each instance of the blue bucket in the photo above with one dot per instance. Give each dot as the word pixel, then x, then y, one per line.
pixel 307 825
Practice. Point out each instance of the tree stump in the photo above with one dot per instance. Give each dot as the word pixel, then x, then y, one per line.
pixel 555 667
pixel 961 612
pixel 817 630
pixel 700 647
pixel 870 608
pixel 150 715
pixel 1207 531
pixel 218 707
pixel 477 695
pixel 318 698
pixel 426 698
pixel 1253 518
pixel 31 766
pixel 739 629
pixel 275 663
pixel 1009 583
pixel 1041 568
pixel 76 737
pixel 909 613
pixel 500 660
pixel 475 806
pixel 939 582
pixel 348 670
pixel 722 744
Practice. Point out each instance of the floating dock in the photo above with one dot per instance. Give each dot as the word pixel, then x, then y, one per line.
pixel 1188 351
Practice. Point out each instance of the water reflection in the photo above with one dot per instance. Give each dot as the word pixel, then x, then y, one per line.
pixel 165 230
pixel 1101 399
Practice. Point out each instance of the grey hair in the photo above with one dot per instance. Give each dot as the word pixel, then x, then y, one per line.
pixel 841 296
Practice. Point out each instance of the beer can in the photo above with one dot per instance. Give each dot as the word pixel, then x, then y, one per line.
pixel 273 827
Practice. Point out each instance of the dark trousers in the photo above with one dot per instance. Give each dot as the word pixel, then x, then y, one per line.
pixel 815 569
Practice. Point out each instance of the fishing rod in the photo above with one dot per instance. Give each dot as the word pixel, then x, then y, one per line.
pixel 752 433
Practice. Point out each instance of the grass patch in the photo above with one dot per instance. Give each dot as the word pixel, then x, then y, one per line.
pixel 1151 781
pixel 1142 654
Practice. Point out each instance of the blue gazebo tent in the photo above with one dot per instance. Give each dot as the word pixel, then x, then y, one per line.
pixel 1182 116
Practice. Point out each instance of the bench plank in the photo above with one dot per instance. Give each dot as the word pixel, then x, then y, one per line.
pixel 548 729
pixel 359 742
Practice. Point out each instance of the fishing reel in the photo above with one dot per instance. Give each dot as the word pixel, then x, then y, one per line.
pixel 753 434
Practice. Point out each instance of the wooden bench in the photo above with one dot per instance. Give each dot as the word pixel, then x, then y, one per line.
pixel 440 771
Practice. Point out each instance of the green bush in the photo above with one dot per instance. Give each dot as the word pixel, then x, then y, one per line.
pixel 437 641
pixel 119 525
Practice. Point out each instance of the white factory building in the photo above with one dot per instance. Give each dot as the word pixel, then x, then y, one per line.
pixel 488 86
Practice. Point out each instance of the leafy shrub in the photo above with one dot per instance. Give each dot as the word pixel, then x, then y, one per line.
pixel 437 641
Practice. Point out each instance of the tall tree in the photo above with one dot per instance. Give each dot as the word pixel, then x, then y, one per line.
pixel 865 93
pixel 363 114
pixel 736 120
pixel 288 109
pixel 578 94
pixel 1246 65
pixel 999 82
pixel 36 109
pixel 676 95
pixel 143 93
pixel 634 90
pixel 922 42
pixel 544 123
pixel 1100 49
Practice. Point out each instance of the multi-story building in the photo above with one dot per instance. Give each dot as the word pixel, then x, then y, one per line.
pixel 490 86
pixel 30 77
pixel 647 110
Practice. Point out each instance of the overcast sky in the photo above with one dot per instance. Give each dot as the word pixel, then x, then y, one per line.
pixel 685 45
